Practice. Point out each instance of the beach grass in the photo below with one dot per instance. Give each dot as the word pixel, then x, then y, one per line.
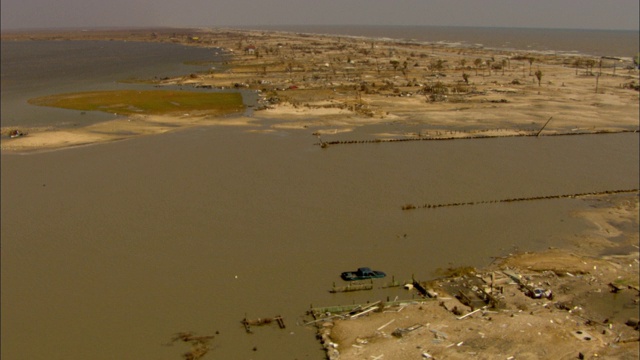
pixel 152 102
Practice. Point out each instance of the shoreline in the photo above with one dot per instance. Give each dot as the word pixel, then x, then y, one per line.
pixel 365 92
pixel 334 84
pixel 453 322
pixel 451 44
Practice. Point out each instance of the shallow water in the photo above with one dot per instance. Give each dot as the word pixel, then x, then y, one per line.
pixel 109 250
pixel 40 68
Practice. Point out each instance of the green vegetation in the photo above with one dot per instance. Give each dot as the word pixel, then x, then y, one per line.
pixel 129 102
pixel 626 282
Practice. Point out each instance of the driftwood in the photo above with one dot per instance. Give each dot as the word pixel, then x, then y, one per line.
pixel 471 313
pixel 363 312
pixel 400 332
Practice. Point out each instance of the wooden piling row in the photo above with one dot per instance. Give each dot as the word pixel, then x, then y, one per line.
pixel 394 283
pixel 260 322
pixel 351 287
pixel 531 198
pixel 325 144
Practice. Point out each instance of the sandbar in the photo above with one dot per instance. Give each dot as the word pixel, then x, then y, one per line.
pixel 334 84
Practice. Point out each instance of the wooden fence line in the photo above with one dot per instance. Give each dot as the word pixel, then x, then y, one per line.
pixel 325 144
pixel 531 198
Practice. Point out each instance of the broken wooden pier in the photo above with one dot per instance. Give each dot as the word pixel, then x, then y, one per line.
pixel 352 286
pixel 261 322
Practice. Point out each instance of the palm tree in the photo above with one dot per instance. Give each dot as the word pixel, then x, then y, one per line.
pixel 577 63
pixel 590 63
pixel 477 62
pixel 531 60
pixel 437 65
pixel 395 64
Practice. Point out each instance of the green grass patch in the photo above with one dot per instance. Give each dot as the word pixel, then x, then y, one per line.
pixel 624 282
pixel 155 102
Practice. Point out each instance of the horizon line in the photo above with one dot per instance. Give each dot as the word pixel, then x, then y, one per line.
pixel 258 26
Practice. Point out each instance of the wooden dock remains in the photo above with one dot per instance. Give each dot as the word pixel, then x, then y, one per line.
pixel 347 311
pixel 420 288
pixel 352 286
pixel 394 283
pixel 260 322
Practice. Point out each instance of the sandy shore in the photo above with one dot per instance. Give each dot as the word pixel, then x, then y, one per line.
pixel 334 85
pixel 115 130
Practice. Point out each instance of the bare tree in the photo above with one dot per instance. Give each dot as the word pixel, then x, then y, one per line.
pixel 589 65
pixel 539 76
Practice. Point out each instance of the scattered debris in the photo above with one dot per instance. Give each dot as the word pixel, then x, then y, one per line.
pixel 16 133
pixel 261 322
pixel 632 322
pixel 400 332
pixel 199 344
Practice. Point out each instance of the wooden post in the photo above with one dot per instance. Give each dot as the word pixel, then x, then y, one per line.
pixel 492 279
pixel 545 124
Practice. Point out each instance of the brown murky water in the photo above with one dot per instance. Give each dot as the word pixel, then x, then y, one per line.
pixel 109 250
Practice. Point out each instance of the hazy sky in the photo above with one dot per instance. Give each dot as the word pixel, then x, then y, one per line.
pixel 579 14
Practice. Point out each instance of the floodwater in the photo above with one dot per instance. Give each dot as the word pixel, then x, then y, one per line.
pixel 41 68
pixel 109 250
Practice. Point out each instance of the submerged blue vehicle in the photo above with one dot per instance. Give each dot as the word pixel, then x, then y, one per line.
pixel 362 273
